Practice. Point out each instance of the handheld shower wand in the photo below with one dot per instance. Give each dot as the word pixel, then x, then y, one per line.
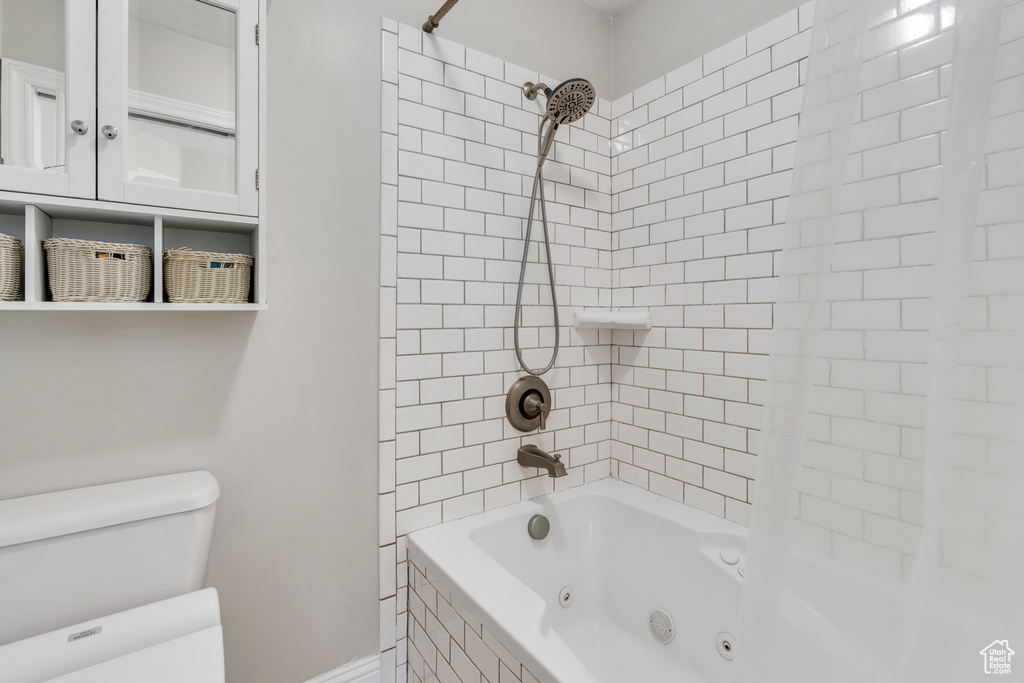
pixel 568 102
pixel 545 145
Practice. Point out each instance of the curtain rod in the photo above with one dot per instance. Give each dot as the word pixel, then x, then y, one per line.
pixel 434 20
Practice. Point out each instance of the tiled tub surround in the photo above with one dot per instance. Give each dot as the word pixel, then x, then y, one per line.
pixel 619 550
pixel 701 166
pixel 687 227
pixel 447 644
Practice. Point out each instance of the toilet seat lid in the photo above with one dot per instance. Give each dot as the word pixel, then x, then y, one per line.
pixel 196 658
pixel 174 640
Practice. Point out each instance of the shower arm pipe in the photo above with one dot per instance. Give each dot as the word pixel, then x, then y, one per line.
pixel 434 20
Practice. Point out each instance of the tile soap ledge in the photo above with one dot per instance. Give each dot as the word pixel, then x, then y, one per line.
pixel 613 320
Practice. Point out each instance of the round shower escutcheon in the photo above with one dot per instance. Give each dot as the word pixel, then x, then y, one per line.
pixel 528 403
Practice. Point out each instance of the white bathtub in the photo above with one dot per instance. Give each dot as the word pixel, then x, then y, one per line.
pixel 624 552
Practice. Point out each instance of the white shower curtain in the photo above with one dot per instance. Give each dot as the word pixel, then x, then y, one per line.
pixel 887 538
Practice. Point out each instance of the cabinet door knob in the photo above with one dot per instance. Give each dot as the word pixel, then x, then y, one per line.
pixel 109 131
pixel 80 127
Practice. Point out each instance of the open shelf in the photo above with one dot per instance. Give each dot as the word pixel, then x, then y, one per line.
pixel 613 320
pixel 34 218
pixel 140 306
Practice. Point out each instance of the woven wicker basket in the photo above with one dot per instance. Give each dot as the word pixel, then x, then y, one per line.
pixel 11 253
pixel 205 277
pixel 82 270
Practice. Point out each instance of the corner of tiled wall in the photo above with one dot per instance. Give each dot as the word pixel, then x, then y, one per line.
pixel 392 648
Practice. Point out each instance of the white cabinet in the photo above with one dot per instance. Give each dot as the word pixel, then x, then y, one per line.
pixel 143 114
pixel 151 102
pixel 177 103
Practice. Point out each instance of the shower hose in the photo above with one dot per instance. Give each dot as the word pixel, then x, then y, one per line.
pixel 538 191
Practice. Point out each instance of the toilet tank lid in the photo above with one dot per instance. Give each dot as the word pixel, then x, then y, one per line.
pixel 48 515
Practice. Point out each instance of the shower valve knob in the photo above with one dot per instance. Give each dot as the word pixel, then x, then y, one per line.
pixel 528 403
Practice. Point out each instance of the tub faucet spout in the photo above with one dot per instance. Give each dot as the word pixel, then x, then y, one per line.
pixel 531 456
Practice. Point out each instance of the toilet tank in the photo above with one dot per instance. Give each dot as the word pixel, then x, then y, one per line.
pixel 69 556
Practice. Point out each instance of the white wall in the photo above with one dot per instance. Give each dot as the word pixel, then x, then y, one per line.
pixel 277 405
pixel 654 37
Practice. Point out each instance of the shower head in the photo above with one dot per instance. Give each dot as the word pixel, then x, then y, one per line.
pixel 568 102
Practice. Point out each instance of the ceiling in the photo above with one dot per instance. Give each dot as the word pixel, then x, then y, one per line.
pixel 610 7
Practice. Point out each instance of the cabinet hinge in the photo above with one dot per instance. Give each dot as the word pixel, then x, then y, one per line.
pixel 257 178
pixel 257 34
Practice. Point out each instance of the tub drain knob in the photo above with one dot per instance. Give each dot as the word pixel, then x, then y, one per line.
pixel 538 526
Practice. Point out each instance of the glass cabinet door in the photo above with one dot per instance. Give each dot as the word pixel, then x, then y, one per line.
pixel 178 95
pixel 48 97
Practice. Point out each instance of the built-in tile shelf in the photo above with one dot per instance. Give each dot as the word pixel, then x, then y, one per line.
pixel 35 218
pixel 613 320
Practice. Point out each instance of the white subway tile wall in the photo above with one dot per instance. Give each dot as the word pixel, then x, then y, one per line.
pixel 459 144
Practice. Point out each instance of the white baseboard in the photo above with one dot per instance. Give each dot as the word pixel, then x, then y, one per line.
pixel 361 671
